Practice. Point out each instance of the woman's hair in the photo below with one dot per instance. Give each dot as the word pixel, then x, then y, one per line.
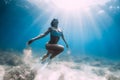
pixel 54 22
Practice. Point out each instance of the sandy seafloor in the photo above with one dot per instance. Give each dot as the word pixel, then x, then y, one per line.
pixel 65 67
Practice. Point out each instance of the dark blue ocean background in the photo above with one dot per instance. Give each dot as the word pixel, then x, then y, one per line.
pixel 21 20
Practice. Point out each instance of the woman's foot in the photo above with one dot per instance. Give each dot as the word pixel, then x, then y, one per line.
pixel 45 58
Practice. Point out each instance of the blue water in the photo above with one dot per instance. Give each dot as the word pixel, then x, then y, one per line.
pixel 21 20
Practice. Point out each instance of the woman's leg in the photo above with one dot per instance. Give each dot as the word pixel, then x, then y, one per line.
pixel 54 49
pixel 55 54
pixel 45 56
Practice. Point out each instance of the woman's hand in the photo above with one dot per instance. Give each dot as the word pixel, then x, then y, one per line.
pixel 67 46
pixel 30 41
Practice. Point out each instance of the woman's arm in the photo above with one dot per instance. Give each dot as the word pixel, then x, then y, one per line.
pixel 38 37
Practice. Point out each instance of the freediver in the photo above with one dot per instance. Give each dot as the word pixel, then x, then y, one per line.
pixel 53 49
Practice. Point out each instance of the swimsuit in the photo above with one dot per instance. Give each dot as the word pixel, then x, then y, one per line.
pixel 54 35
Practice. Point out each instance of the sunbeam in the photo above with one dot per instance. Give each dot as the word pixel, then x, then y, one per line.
pixel 78 18
pixel 76 5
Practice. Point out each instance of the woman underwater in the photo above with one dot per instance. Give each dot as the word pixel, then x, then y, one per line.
pixel 52 47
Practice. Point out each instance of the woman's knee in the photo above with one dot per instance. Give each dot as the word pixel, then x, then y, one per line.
pixel 61 49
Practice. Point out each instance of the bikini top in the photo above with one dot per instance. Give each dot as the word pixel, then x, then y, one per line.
pixel 55 32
